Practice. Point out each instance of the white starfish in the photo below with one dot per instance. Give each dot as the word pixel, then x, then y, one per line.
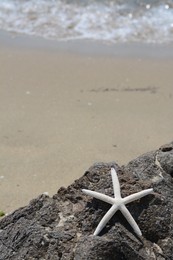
pixel 118 203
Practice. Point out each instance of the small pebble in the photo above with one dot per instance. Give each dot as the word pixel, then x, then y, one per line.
pixel 46 193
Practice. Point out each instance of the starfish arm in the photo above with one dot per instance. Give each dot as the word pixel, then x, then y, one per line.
pixel 130 220
pixel 116 184
pixel 99 196
pixel 105 219
pixel 137 196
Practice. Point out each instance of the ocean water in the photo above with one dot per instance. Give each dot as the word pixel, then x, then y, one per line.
pixel 108 21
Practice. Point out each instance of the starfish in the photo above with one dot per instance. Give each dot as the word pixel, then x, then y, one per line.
pixel 118 203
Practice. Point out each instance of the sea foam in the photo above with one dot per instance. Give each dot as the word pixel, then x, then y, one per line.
pixel 110 21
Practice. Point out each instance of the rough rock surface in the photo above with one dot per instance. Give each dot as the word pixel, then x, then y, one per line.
pixel 61 227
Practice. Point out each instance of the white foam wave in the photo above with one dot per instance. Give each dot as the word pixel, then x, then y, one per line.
pixel 107 21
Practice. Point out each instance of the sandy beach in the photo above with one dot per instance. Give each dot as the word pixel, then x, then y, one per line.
pixel 64 108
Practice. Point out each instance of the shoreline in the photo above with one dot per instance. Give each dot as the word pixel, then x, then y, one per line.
pixel 88 47
pixel 64 107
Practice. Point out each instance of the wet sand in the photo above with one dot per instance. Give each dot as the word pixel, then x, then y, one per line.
pixel 61 110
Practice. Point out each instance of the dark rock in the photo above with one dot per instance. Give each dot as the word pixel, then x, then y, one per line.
pixel 61 227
